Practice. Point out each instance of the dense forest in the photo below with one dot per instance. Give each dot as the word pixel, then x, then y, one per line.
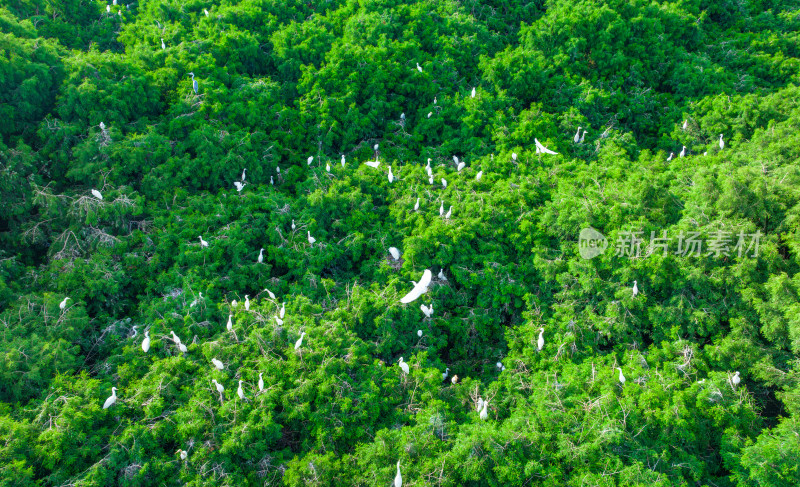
pixel 215 216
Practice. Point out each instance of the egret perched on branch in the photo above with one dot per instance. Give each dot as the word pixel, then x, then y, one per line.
pixel 441 275
pixel 455 160
pixel 261 256
pixel 685 124
pixel 540 341
pixel 205 12
pixel 460 166
pixel 63 304
pixel 279 321
pixel 391 176
pixel 373 164
pixel 293 225
pixel 203 243
pixel 163 46
pixel 577 137
pixel 583 135
pixel 484 412
pixel 282 312
pixel 217 363
pixel 299 341
pixel 342 160
pixel 260 381
pixel 239 186
pixel 419 68
pixel 398 479
pixel 671 154
pixel 416 205
pixel 240 391
pixel 441 209
pixel 271 181
pixel 194 303
pixel 175 338
pixel 194 83
pixel 721 142
pixel 542 148
pixel 429 114
pixel 500 366
pixel 635 288
pixel 735 380
pixel 445 373
pixel 683 152
pixel 449 212
pixel 403 366
pixel 271 294
pixel 514 156
pixel 444 182
pixel 621 377
pixel 328 167
pixel 419 333
pixel 311 239
pixel 395 253
pixel 244 171
pixel 473 93
pixel 479 176
pixel 430 179
pixel 97 194
pixel 112 399
pixel 419 289
pixel 146 341
pixel 229 325
pixel 182 453
pixel 428 167
pixel 220 389
pixel 247 302
pixel 426 310
pixel 310 160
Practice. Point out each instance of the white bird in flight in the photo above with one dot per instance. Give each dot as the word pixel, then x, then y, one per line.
pixel 218 364
pixel 395 252
pixel 299 341
pixel 97 194
pixel 542 148
pixel 111 399
pixel 146 341
pixel 63 304
pixel 403 366
pixel 419 289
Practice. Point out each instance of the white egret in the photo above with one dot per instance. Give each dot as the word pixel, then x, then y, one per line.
pixel 577 137
pixel 310 160
pixel 342 160
pixel 621 377
pixel 299 341
pixel 279 321
pixel 454 379
pixel 735 380
pixel 419 333
pixel 240 391
pixel 391 176
pixel 403 366
pixel 108 8
pixel 419 68
pixel 182 347
pixel 293 225
pixel 146 341
pixel 428 166
pixel 234 303
pixel 271 181
pixel 721 142
pixel 434 100
pixel 203 243
pixel 542 148
pixel 398 479
pixel 244 171
pixel 685 124
pixel 282 312
pixel 430 179
pixel 416 205
pixel 373 164
pixel 683 152
pixel 220 389
pixel 455 159
pixel 500 366
pixel 271 294
pixel 175 338
pixel 239 186
pixel 97 194
pixel 473 93
pixel 484 412
pixel 247 302
pixel 260 259
pixel 328 166
pixel 403 116
pixel 163 46
pixel 229 325
pixel 134 331
pixel 460 166
pixel 540 341
pixel 479 405
pixel 217 363
pixel 429 114
pixel 444 183
pixel 311 239
pixel 205 12
pixel 111 399
pixel 583 135
pixel 427 310
pixel 635 288
pixel 183 454
pixel 671 154
pixel 260 381
pixel 196 300
pixel 194 83
pixel 63 304
pixel 441 209
pixel 514 156
pixel 441 275
pixel 445 373
pixel 479 176
pixel 395 252
pixel 419 289
pixel 705 153
pixel 449 212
